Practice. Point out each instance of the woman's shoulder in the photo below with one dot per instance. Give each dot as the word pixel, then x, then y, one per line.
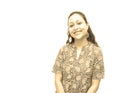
pixel 97 49
pixel 65 47
pixel 94 46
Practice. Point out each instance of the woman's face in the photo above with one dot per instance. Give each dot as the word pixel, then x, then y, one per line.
pixel 77 27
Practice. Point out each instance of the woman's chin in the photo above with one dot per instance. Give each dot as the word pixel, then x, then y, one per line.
pixel 77 37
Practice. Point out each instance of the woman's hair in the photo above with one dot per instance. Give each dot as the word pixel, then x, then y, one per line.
pixel 91 37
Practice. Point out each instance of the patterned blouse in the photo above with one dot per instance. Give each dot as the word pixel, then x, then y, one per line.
pixel 77 73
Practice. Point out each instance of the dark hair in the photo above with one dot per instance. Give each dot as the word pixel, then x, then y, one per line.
pixel 91 37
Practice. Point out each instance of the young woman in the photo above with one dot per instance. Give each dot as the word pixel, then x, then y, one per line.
pixel 79 65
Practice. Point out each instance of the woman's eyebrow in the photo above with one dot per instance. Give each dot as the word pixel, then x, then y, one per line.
pixel 70 22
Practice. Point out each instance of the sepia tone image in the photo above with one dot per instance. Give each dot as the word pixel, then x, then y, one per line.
pixel 62 46
pixel 79 65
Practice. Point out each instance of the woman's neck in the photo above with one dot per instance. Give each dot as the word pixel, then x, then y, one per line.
pixel 80 43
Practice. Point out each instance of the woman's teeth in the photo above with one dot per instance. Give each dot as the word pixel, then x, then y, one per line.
pixel 77 32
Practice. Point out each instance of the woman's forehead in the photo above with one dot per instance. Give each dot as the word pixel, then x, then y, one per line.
pixel 75 17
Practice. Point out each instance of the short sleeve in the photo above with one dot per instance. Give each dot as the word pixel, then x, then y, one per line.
pixel 98 67
pixel 58 62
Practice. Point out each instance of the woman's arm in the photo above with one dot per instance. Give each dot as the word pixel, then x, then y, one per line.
pixel 58 83
pixel 94 86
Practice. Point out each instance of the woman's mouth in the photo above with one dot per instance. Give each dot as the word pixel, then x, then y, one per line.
pixel 77 32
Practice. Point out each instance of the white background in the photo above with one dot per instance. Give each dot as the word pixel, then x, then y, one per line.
pixel 32 31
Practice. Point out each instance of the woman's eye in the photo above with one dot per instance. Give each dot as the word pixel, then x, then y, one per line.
pixel 71 25
pixel 79 23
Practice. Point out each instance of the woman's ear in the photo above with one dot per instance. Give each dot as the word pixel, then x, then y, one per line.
pixel 68 31
pixel 87 26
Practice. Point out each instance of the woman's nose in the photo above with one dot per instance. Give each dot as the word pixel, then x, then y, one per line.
pixel 75 27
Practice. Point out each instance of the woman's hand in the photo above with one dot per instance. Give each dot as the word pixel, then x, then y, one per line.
pixel 94 86
pixel 58 82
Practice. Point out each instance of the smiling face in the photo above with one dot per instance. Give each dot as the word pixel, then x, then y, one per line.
pixel 77 26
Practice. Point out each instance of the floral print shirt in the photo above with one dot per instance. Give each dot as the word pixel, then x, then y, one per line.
pixel 77 73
